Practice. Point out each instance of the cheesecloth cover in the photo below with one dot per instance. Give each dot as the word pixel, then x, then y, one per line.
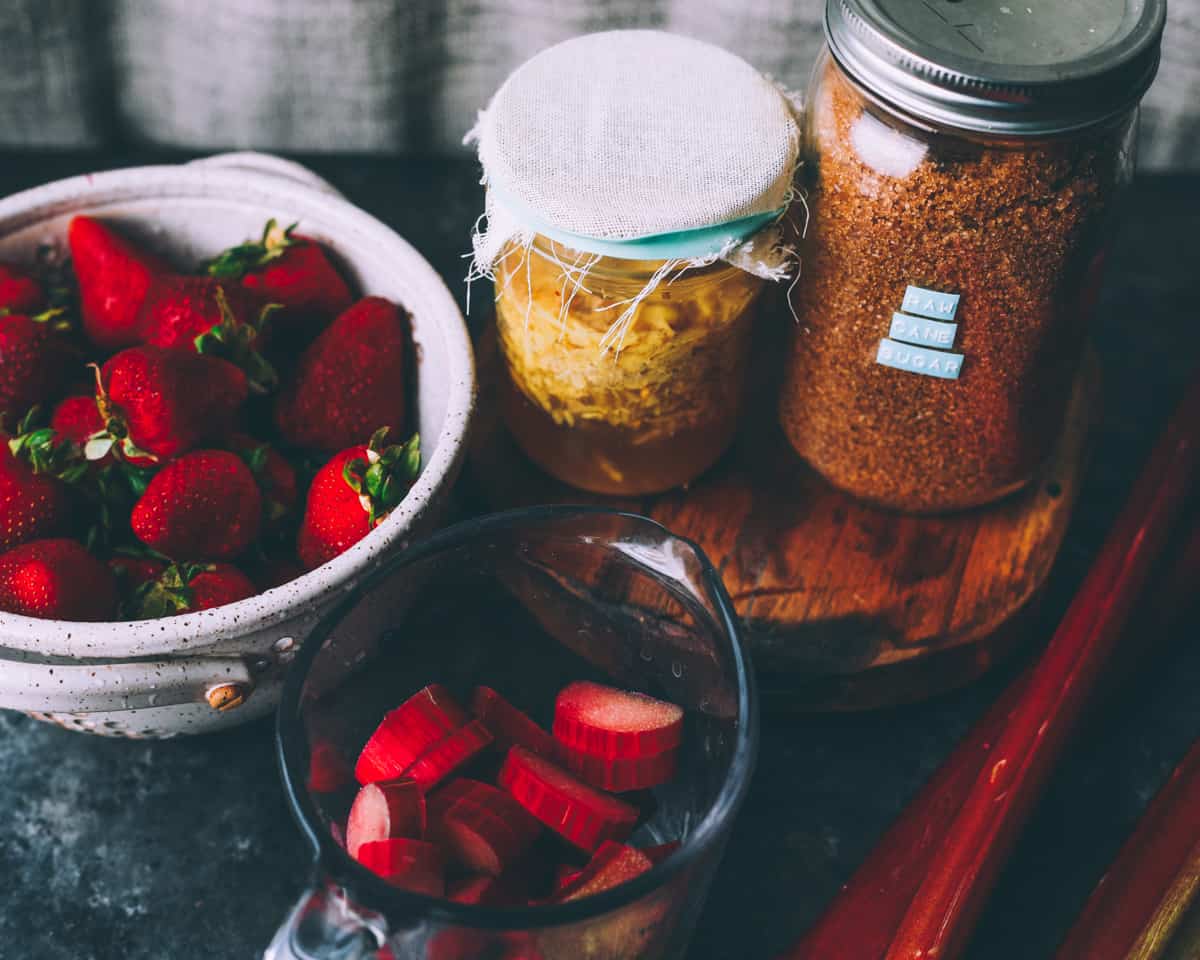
pixel 640 145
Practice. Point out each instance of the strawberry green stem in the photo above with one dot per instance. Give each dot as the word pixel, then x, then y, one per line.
pixel 384 478
pixel 237 261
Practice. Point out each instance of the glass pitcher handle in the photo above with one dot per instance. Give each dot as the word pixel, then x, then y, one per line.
pixel 324 926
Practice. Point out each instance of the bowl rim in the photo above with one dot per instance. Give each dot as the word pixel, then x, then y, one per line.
pixel 708 833
pixel 193 632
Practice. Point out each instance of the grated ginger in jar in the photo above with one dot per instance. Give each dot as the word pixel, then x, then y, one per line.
pixel 655 409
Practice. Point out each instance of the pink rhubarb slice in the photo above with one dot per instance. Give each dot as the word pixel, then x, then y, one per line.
pixel 613 864
pixel 449 754
pixel 411 864
pixel 383 811
pixel 579 813
pixel 621 774
pixel 407 732
pixel 615 724
pixel 488 836
pixel 509 726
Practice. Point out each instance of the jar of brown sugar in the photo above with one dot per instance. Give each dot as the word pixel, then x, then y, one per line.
pixel 963 161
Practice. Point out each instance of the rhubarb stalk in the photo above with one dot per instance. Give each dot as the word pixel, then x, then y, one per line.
pixel 1139 904
pixel 869 909
pixel 965 865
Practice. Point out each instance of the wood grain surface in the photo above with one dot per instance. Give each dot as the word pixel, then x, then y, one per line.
pixel 846 606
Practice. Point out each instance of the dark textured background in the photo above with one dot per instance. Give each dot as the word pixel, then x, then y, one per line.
pixel 115 850
pixel 399 75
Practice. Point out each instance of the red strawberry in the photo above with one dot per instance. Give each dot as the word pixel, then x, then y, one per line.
pixel 218 584
pixel 349 382
pixel 32 505
pixel 205 505
pixel 203 315
pixel 35 361
pixel 188 587
pixel 178 309
pixel 352 494
pixel 276 477
pixel 56 580
pixel 287 269
pixel 77 418
pixel 113 279
pixel 134 572
pixel 165 402
pixel 106 489
pixel 19 292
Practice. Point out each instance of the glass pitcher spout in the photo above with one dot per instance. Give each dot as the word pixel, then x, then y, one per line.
pixel 325 925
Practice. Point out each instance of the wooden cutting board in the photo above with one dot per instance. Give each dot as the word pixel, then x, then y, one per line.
pixel 846 606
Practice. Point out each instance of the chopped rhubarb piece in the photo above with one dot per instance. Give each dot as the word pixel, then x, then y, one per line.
pixel 610 723
pixel 328 769
pixel 442 799
pixel 509 726
pixel 464 790
pixel 584 816
pixel 383 811
pixel 449 754
pixel 477 889
pixel 613 864
pixel 407 732
pixel 488 839
pixel 564 876
pixel 622 774
pixel 660 853
pixel 411 864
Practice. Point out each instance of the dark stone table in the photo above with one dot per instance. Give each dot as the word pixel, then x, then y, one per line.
pixel 116 850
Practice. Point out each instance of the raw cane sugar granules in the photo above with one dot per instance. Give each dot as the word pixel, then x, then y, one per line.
pixel 947 282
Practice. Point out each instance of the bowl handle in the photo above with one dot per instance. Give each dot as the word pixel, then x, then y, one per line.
pixel 223 682
pixel 267 164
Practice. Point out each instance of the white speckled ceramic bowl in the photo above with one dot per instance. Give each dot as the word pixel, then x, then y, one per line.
pixel 204 671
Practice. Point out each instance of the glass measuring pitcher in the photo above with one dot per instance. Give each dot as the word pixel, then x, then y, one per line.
pixel 525 602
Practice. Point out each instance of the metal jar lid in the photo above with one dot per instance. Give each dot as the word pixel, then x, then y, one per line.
pixel 1022 67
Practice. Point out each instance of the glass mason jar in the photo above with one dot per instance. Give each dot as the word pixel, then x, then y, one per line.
pixel 961 204
pixel 588 593
pixel 621 411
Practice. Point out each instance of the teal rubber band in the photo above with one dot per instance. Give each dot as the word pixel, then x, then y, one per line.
pixel 681 245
